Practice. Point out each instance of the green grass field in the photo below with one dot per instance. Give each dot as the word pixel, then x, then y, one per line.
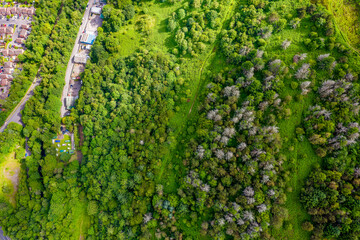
pixel 64 145
pixel 9 177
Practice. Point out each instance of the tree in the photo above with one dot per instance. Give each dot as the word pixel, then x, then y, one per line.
pixel 307 226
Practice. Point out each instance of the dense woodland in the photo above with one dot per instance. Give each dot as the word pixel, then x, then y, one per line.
pixel 171 155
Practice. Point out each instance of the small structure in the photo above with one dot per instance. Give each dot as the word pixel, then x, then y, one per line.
pixel 8 70
pixel 24 26
pixel 19 40
pixel 88 38
pixel 4 82
pixel 3 11
pixel 9 30
pixel 5 52
pixel 79 58
pixel 17 52
pixel 96 10
pixel 31 11
pixel 22 33
pixel 8 65
pixel 70 102
pixel 24 11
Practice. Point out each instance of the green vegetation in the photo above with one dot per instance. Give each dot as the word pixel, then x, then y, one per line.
pixel 196 120
pixel 11 153
pixel 64 144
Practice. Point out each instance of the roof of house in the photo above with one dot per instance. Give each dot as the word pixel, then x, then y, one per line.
pixel 88 38
pixel 19 40
pixel 70 101
pixel 8 64
pixel 5 52
pixel 18 51
pixel 9 30
pixel 79 58
pixel 8 70
pixel 22 33
pixel 4 82
pixel 11 52
pixel 31 11
pixel 24 26
pixel 96 10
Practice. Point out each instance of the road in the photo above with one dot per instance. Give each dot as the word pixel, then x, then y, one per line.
pixel 2 237
pixel 70 65
pixel 15 115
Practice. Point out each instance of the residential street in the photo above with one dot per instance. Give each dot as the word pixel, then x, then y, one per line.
pixel 70 65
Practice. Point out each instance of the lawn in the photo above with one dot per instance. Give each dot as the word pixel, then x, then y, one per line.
pixel 64 145
pixel 9 178
pixel 81 221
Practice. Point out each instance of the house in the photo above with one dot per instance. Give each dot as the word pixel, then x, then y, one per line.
pixel 8 12
pixel 3 11
pixel 80 59
pixel 2 30
pixel 88 38
pixel 24 11
pixel 8 65
pixel 70 101
pixel 22 33
pixel 24 26
pixel 8 70
pixel 5 52
pixel 9 30
pixel 13 10
pixel 31 11
pixel 4 82
pixel 11 52
pixel 17 52
pixel 18 10
pixel 19 40
pixel 96 10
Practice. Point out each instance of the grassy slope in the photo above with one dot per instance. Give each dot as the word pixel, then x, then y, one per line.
pixel 9 170
pixel 346 16
pixel 81 221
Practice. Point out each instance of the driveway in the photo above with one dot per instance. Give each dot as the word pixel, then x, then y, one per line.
pixel 70 65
